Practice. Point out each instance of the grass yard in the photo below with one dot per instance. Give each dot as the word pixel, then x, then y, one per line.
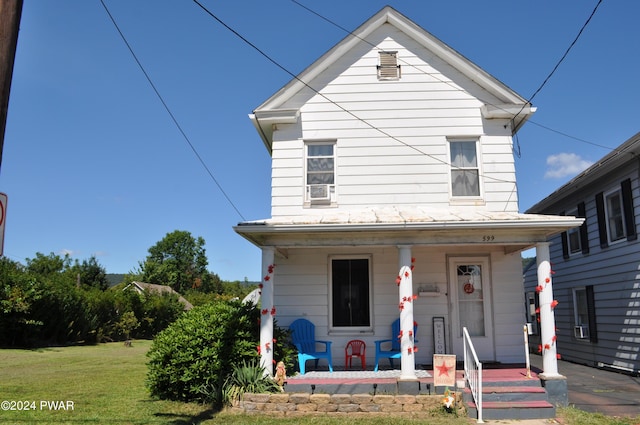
pixel 104 384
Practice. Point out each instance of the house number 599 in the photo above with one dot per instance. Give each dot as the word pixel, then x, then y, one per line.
pixel 488 238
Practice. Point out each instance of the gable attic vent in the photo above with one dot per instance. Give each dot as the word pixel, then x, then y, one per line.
pixel 388 68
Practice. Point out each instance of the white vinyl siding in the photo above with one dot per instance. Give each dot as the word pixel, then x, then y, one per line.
pixel 303 289
pixel 392 135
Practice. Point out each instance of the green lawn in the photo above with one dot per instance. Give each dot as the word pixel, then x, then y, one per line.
pixel 104 384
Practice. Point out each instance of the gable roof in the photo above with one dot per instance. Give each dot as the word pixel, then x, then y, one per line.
pixel 271 112
pixel 142 287
pixel 628 151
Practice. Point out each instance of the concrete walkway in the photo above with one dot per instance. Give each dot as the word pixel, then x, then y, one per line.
pixel 599 391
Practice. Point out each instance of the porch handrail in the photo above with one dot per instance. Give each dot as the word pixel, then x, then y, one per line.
pixel 473 372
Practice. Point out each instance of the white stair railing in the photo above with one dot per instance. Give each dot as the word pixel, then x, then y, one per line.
pixel 473 372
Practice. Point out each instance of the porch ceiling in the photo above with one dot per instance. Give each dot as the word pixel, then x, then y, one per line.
pixel 411 226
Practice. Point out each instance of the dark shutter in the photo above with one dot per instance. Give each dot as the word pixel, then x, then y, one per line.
pixel 584 232
pixel 564 237
pixel 565 245
pixel 627 205
pixel 602 221
pixel 591 311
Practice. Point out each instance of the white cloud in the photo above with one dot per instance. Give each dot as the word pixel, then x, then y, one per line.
pixel 565 164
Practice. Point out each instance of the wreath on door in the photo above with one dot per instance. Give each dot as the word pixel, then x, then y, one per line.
pixel 468 288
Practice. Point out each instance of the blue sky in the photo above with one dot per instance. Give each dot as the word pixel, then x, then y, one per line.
pixel 93 164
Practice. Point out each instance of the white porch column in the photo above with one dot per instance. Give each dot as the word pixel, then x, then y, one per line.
pixel 547 317
pixel 407 346
pixel 267 310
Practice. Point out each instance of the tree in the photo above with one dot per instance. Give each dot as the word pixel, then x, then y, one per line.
pixel 91 273
pixel 47 265
pixel 178 260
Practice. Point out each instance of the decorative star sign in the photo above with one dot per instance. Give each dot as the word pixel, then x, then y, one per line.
pixel 443 369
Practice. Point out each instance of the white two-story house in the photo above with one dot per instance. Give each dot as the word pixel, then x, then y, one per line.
pixel 392 159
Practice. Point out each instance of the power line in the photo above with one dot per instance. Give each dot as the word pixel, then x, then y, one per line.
pixel 575 40
pixel 173 118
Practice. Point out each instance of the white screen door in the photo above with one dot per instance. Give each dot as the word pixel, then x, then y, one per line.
pixel 470 292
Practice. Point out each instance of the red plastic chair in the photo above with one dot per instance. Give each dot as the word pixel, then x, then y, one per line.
pixel 355 348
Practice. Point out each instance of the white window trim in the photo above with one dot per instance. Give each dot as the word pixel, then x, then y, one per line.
pixel 606 196
pixel 333 192
pixel 462 200
pixel 355 330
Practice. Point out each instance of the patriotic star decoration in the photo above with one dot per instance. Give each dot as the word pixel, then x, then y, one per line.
pixel 443 369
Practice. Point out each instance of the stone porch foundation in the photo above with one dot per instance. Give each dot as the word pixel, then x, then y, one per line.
pixel 363 405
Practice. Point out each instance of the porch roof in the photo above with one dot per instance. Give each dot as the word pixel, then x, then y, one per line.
pixel 405 225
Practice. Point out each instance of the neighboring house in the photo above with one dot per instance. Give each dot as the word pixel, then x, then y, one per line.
pixel 392 150
pixel 142 288
pixel 597 265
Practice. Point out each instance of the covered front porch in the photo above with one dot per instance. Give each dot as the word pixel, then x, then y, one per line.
pixel 481 248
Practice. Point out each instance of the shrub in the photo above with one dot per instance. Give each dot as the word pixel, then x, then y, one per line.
pixel 193 358
pixel 247 378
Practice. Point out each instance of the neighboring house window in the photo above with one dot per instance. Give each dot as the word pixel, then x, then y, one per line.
pixel 576 240
pixel 465 173
pixel 573 236
pixel 350 293
pixel 613 211
pixel 584 314
pixel 616 216
pixel 388 69
pixel 320 170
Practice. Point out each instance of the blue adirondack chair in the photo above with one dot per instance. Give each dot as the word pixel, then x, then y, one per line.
pixel 394 352
pixel 303 334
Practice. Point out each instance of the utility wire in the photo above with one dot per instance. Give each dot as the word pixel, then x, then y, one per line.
pixel 575 40
pixel 173 118
pixel 283 68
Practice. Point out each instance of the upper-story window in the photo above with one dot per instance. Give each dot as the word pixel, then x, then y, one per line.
pixel 465 172
pixel 320 172
pixel 573 236
pixel 388 68
pixel 613 211
pixel 616 215
pixel 576 240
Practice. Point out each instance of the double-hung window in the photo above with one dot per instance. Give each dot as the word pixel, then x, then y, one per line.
pixel 584 314
pixel 350 293
pixel 465 172
pixel 616 216
pixel 320 172
pixel 576 240
pixel 613 211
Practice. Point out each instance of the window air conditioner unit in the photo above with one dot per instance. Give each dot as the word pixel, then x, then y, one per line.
pixel 319 193
pixel 581 332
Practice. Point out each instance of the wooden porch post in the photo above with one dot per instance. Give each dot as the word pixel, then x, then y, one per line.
pixel 407 346
pixel 547 317
pixel 267 310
